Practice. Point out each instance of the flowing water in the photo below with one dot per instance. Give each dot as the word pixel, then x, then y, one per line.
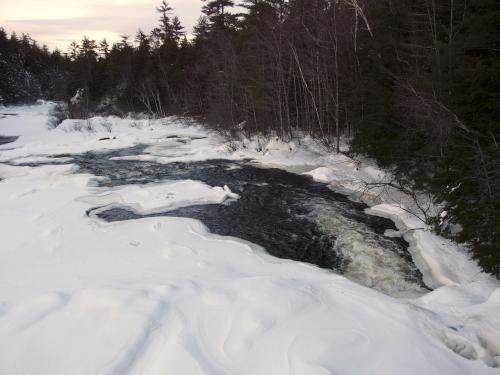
pixel 289 215
pixel 4 140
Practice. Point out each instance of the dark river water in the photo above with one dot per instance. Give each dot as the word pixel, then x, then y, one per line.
pixel 4 140
pixel 289 215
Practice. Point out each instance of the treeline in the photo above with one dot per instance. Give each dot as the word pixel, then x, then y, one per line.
pixel 413 83
pixel 28 71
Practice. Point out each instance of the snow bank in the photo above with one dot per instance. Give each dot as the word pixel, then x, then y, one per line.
pixel 162 295
pixel 442 261
pixel 458 281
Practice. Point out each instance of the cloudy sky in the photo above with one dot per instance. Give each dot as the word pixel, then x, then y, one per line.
pixel 59 22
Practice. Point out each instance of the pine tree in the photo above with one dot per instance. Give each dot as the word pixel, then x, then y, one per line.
pixel 73 50
pixel 88 48
pixel 201 29
pixel 164 33
pixel 217 13
pixel 177 30
pixel 104 48
pixel 142 41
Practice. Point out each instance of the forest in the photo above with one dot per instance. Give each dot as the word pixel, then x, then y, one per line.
pixel 413 84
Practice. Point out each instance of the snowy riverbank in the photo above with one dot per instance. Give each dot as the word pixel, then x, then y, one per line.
pixel 162 295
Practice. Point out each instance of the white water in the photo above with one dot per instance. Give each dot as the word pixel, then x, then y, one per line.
pixel 371 262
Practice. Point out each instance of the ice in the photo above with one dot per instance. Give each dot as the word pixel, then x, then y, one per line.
pixel 164 296
pixel 161 197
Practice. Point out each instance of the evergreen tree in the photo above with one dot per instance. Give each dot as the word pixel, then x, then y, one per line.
pixel 104 48
pixel 28 71
pixel 217 12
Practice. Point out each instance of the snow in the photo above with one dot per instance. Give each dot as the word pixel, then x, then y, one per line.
pixel 161 197
pixel 440 260
pixel 162 295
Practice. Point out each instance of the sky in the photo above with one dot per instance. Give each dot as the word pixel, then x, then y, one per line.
pixel 57 23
